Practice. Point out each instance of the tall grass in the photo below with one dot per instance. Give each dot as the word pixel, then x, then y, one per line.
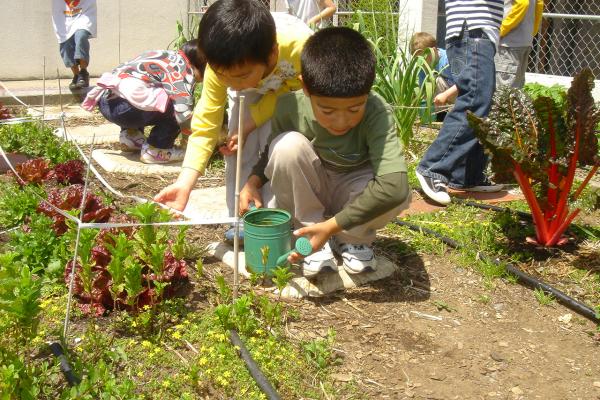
pixel 397 72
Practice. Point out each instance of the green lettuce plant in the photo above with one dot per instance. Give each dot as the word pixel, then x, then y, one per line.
pixel 542 144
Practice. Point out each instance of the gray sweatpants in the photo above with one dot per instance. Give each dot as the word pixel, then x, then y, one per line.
pixel 511 65
pixel 312 193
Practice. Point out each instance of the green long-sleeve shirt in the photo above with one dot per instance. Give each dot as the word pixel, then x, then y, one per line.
pixel 373 141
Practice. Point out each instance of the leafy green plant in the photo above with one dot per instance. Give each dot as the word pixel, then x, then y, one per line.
pixel 36 140
pixel 543 145
pixel 39 247
pixel 319 353
pixel 20 292
pixel 17 203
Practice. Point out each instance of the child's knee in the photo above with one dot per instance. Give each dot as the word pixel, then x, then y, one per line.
pixel 288 145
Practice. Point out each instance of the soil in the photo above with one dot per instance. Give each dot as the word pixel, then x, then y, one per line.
pixel 433 330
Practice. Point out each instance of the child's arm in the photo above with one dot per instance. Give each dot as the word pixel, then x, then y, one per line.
pixel 329 9
pixel 447 96
pixel 514 17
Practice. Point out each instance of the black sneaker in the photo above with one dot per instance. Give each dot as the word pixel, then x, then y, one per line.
pixel 435 189
pixel 73 84
pixel 83 80
pixel 486 186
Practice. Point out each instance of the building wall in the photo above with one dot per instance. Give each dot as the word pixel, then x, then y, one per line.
pixel 125 28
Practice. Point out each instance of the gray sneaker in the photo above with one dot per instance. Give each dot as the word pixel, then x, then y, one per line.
pixel 435 189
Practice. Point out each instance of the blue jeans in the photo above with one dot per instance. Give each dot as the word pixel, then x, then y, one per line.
pixel 77 47
pixel 119 111
pixel 456 157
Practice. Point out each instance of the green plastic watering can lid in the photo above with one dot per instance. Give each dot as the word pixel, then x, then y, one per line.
pixel 303 247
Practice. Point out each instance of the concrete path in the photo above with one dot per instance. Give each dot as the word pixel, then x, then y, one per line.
pixel 85 134
pixel 129 163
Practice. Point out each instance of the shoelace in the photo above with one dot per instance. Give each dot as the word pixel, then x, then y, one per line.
pixel 438 184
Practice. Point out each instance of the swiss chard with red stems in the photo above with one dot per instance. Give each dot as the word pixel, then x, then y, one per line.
pixel 542 144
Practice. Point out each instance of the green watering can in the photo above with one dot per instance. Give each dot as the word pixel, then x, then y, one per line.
pixel 268 240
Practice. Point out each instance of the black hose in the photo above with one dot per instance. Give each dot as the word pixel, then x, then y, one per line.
pixel 58 352
pixel 522 277
pixel 261 380
pixel 520 214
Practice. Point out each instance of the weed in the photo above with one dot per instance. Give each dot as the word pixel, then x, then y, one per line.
pixel 319 351
pixel 542 297
pixel 442 305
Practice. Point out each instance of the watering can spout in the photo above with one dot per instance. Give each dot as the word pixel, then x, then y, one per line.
pixel 302 247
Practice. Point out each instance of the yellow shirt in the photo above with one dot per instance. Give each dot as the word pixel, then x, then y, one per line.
pixel 208 113
pixel 517 13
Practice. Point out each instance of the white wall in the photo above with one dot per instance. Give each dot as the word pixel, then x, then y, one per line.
pixel 125 28
pixel 417 16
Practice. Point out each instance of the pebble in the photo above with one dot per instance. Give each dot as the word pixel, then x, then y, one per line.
pixel 517 390
pixel 597 384
pixel 503 344
pixel 497 356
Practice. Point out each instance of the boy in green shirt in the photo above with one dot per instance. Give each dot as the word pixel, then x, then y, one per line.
pixel 334 160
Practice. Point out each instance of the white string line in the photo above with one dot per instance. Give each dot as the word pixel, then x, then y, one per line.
pixel 16 98
pixel 58 210
pixel 9 230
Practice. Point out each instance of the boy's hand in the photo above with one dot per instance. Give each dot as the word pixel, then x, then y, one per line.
pixel 250 194
pixel 440 100
pixel 318 234
pixel 177 194
pixel 230 146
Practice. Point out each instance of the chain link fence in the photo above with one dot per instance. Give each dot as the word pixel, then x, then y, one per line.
pixel 569 38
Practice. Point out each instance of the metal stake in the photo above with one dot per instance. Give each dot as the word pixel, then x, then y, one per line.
pixel 238 171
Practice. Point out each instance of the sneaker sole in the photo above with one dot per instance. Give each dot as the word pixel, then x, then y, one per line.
pixel 365 269
pixel 483 189
pixel 424 185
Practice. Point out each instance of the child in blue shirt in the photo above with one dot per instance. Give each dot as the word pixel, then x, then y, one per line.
pixel 445 88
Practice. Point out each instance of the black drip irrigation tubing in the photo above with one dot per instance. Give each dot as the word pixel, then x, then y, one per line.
pixel 260 378
pixel 65 367
pixel 522 277
pixel 521 214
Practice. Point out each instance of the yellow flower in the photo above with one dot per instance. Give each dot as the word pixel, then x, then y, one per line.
pixel 203 361
pixel 166 383
pixel 133 324
pixel 176 335
pixel 140 373
pixel 146 343
pixel 259 332
pixel 178 326
pixel 227 374
pixel 186 322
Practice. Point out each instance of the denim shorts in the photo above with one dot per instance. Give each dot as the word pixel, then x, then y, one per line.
pixel 77 47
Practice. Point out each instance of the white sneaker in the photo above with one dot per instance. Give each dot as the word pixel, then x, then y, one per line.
pixel 356 257
pixel 314 263
pixel 154 155
pixel 131 140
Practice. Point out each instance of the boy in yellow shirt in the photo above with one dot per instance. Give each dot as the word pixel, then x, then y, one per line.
pixel 250 53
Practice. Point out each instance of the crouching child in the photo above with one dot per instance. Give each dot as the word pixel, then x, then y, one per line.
pixel 333 159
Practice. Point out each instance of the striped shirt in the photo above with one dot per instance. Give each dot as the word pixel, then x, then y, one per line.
pixel 477 14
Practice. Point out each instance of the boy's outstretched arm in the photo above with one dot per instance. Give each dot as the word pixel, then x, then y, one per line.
pixel 177 194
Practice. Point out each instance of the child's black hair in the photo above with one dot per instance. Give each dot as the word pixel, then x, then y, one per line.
pixel 197 59
pixel 233 32
pixel 338 62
